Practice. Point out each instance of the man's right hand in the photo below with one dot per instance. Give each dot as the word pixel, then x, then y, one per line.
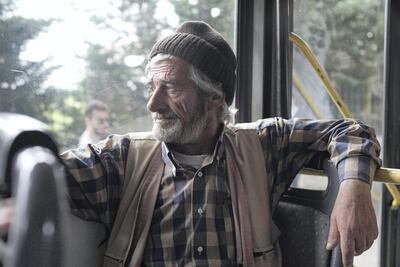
pixel 353 221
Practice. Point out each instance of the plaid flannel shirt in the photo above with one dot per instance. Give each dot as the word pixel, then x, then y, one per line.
pixel 192 222
pixel 95 174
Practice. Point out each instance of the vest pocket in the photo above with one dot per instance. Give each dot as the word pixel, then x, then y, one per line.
pixel 259 252
pixel 265 256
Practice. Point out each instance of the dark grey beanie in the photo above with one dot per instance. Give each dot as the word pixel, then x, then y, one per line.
pixel 199 44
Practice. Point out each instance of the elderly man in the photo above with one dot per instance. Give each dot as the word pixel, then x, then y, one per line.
pixel 200 192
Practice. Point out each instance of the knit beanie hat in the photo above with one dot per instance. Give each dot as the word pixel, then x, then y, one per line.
pixel 199 44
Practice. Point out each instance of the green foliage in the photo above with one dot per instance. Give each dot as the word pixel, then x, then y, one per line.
pixel 6 6
pixel 219 14
pixel 20 81
pixel 108 76
pixel 64 116
pixel 347 37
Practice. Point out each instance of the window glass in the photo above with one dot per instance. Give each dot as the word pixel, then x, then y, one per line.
pixel 347 37
pixel 57 55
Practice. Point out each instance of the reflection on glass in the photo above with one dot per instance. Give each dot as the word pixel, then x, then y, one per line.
pixel 57 55
pixel 347 38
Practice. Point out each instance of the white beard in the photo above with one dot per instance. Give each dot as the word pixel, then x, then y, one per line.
pixel 168 128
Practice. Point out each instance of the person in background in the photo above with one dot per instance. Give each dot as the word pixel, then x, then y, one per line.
pixel 97 123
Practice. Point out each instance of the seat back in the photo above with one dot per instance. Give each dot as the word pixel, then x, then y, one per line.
pixel 31 173
pixel 303 218
pixel 43 232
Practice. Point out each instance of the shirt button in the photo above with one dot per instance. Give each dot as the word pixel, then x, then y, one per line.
pixel 200 174
pixel 200 211
pixel 200 250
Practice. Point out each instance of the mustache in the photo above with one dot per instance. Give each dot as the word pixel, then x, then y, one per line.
pixel 163 115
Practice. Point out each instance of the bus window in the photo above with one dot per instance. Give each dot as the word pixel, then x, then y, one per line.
pixel 59 55
pixel 347 38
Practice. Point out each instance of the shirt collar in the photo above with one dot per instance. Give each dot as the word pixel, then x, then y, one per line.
pixel 218 153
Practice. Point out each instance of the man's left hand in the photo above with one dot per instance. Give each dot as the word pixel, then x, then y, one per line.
pixel 353 222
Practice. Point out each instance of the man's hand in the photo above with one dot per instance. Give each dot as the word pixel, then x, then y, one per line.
pixel 353 221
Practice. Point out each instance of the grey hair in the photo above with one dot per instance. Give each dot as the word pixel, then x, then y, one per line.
pixel 205 85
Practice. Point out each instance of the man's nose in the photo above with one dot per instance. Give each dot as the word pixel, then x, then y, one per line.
pixel 156 101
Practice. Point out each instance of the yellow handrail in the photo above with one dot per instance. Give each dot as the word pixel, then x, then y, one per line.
pixel 386 175
pixel 331 90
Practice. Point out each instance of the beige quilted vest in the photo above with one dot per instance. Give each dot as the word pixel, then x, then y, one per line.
pixel 255 232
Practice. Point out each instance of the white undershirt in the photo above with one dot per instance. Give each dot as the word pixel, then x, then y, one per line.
pixel 194 161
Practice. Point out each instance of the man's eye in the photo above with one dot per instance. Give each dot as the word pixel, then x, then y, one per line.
pixel 173 89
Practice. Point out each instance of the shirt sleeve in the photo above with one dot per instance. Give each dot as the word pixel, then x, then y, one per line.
pixel 290 144
pixel 94 176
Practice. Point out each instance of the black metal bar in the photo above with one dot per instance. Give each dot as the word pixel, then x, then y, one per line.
pixel 264 59
pixel 244 53
pixel 277 68
pixel 269 96
pixel 390 236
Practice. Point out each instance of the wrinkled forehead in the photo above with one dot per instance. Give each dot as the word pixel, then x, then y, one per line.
pixel 167 67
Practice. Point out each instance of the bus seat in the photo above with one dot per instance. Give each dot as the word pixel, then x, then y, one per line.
pixel 83 243
pixel 303 218
pixel 18 132
pixel 31 173
pixel 43 232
